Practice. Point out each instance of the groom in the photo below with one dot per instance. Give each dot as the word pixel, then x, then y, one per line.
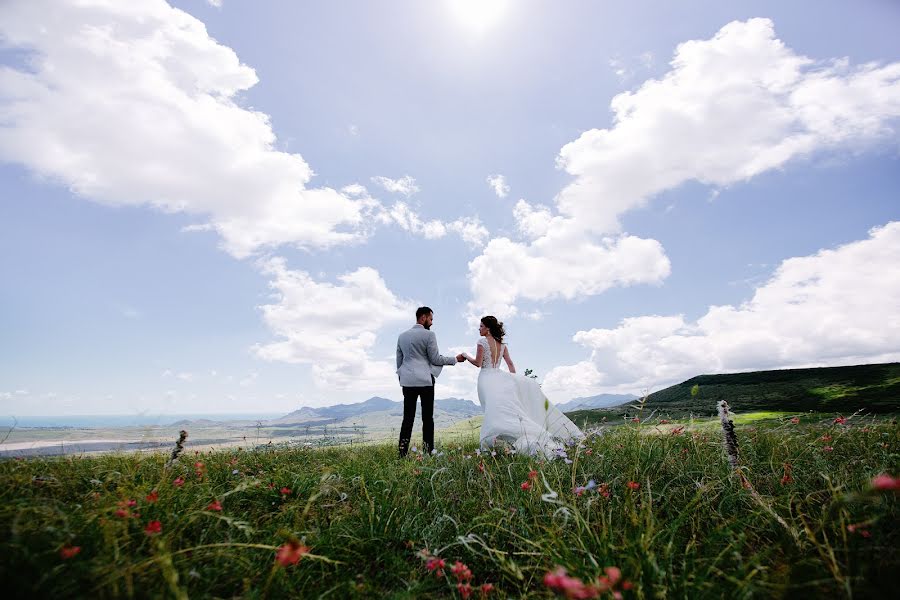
pixel 418 363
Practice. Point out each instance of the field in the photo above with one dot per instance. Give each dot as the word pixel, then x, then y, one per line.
pixel 800 518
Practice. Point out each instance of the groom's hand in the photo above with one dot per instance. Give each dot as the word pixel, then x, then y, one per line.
pixel 460 357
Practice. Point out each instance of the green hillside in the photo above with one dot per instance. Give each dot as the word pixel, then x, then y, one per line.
pixel 871 388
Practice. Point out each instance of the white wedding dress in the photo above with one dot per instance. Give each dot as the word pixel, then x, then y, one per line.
pixel 517 411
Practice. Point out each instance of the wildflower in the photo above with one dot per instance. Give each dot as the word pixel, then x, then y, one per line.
pixel 417 472
pixel 677 431
pixel 67 551
pixel 290 553
pixel 486 588
pixel 532 474
pixel 122 513
pixel 578 490
pixel 633 485
pixel 560 581
pixel 588 451
pixel 795 420
pixel 130 503
pixel 840 420
pixel 153 528
pixel 635 420
pixel 827 449
pixel 481 467
pixel 461 571
pixel 178 482
pixel 464 589
pixel 603 490
pixel 664 421
pixel 215 505
pixel 285 491
pixel 885 482
pixel 152 497
pixel 859 528
pixel 435 565
pixel 525 485
pixel 825 438
pixel 787 475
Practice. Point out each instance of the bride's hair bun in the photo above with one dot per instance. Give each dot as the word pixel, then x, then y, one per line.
pixel 494 326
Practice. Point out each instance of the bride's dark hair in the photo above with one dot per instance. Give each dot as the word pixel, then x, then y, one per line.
pixel 494 326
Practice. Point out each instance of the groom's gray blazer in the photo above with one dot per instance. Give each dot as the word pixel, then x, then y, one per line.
pixel 418 357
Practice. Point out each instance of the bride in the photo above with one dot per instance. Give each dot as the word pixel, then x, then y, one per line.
pixel 515 408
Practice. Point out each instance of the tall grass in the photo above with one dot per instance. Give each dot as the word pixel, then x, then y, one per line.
pixel 667 509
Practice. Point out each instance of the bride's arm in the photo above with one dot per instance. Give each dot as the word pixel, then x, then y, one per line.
pixel 509 362
pixel 479 356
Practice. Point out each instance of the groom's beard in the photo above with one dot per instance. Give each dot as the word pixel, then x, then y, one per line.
pixel 427 326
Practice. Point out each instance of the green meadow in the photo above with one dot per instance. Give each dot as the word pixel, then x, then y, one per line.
pixel 656 501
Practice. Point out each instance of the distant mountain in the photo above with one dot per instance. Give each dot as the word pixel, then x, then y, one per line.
pixel 455 407
pixel 598 401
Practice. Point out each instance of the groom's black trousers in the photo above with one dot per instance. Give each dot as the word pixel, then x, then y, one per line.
pixel 410 395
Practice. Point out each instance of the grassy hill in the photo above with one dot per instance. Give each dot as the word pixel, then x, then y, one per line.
pixel 874 389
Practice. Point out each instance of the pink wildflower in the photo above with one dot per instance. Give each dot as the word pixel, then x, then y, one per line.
pixel 886 483
pixel 67 551
pixel 795 420
pixel 461 571
pixel 178 482
pixel 215 505
pixel 290 553
pixel 525 485
pixel 633 485
pixel 285 491
pixel 840 420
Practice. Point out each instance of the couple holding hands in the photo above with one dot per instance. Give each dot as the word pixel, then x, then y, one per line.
pixel 516 411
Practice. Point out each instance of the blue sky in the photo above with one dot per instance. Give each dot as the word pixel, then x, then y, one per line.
pixel 235 206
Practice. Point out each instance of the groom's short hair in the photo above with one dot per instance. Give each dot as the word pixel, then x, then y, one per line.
pixel 422 311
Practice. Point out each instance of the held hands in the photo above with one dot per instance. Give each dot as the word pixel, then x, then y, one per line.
pixel 460 358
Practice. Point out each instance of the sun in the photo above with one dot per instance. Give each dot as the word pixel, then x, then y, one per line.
pixel 478 15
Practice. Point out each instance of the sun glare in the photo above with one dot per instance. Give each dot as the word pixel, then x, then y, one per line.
pixel 478 15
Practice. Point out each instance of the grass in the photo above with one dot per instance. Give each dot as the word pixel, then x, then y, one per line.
pixel 691 529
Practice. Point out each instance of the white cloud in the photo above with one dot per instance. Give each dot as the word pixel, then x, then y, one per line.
pixel 470 229
pixel 730 108
pixel 565 264
pixel 332 327
pixel 406 185
pixel 498 184
pixel 836 307
pixel 133 103
pixel 216 3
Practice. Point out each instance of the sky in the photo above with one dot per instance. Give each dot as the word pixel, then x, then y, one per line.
pixel 231 206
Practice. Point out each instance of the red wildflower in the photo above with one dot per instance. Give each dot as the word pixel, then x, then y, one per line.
pixel 285 491
pixel 525 485
pixel 153 528
pixel 664 421
pixel 532 474
pixel 290 553
pixel 486 588
pixel 436 565
pixel 795 420
pixel 634 485
pixel 67 551
pixel 178 482
pixel 481 467
pixel 560 581
pixel 827 449
pixel 603 490
pixel 859 528
pixel 122 513
pixel 464 589
pixel 840 420
pixel 215 505
pixel 588 451
pixel 461 571
pixel 826 438
pixel 885 483
pixel 152 497
pixel 635 420
pixel 130 503
pixel 677 431
pixel 787 475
